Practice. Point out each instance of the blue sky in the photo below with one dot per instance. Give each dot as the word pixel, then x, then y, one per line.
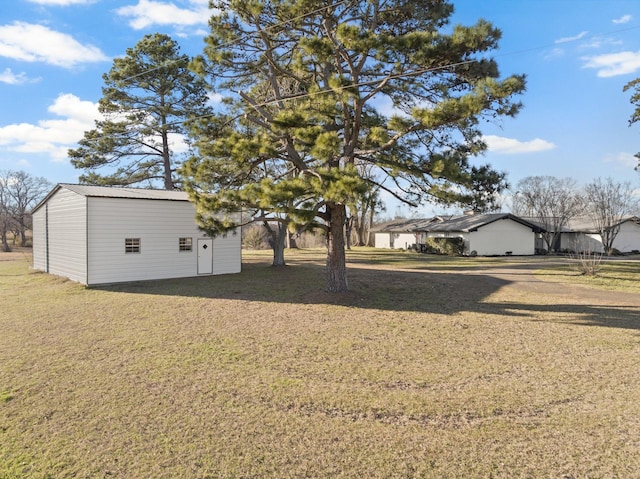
pixel 577 56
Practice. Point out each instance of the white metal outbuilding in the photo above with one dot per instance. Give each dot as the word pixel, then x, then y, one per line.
pixel 99 235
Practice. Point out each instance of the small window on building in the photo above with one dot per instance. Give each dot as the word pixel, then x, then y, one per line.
pixel 185 244
pixel 132 245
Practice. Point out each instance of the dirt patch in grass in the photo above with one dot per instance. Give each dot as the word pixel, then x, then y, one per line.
pixel 428 368
pixel 17 253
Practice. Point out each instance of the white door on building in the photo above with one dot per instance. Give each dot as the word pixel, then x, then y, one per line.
pixel 205 256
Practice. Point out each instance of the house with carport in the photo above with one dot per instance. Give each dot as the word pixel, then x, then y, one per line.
pixel 400 233
pixel 490 234
pixel 581 235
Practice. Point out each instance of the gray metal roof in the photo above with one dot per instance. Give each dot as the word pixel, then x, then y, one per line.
pixel 116 192
pixel 467 223
pixel 461 223
pixel 403 225
pixel 584 224
pixel 578 224
pixel 544 222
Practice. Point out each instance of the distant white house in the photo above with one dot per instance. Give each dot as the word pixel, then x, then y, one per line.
pixel 98 235
pixel 489 234
pixel 494 234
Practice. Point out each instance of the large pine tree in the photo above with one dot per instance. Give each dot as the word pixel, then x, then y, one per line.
pixel 148 95
pixel 305 82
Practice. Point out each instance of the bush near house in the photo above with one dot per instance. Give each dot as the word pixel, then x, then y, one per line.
pixel 448 246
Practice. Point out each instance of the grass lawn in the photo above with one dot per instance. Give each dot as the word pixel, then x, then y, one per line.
pixel 429 368
pixel 615 274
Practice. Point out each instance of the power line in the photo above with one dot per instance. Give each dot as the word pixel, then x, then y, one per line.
pixel 370 82
pixel 433 69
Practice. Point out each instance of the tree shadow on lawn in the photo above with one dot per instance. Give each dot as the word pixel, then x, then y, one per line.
pixel 382 289
pixel 625 317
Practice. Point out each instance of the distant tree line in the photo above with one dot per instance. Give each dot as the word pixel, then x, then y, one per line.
pixel 19 193
pixel 554 202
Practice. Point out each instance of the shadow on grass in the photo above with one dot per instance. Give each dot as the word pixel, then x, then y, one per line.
pixel 371 287
pixel 625 317
pixel 304 282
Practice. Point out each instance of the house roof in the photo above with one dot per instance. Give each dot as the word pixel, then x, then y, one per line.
pixel 469 223
pixel 403 225
pixel 117 192
pixel 545 223
pixel 584 224
pixel 579 224
pixel 461 223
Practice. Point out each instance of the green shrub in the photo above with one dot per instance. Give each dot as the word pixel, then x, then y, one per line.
pixel 448 246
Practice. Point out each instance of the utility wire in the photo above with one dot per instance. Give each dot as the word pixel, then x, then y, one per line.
pixel 370 82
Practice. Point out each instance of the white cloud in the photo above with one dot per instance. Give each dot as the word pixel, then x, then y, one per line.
pixel 622 19
pixel 572 39
pixel 72 107
pixel 150 12
pixel 178 144
pixel 622 160
pixel 36 43
pixel 189 32
pixel 53 137
pixel 214 99
pixel 7 76
pixel 600 42
pixel 501 145
pixel 554 53
pixel 613 64
pixel 61 3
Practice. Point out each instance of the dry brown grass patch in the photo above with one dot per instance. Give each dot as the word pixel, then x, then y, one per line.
pixel 427 372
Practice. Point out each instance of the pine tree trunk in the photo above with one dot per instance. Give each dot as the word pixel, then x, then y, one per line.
pixel 336 261
pixel 166 155
pixel 279 245
pixel 278 242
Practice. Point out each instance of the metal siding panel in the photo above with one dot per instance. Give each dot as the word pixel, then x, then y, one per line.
pixel 39 240
pixel 227 253
pixel 159 225
pixel 66 235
